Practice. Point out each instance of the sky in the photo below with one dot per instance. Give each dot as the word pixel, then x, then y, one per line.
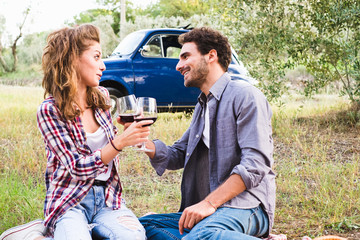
pixel 46 14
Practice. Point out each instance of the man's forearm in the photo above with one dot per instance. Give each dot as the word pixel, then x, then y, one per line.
pixel 232 187
pixel 191 215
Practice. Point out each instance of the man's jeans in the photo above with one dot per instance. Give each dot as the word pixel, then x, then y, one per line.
pixel 91 219
pixel 225 223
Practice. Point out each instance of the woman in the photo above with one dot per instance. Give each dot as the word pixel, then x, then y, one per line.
pixel 83 198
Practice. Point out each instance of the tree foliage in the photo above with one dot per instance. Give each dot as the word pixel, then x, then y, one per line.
pixel 114 9
pixel 259 31
pixel 271 37
pixel 3 63
pixel 89 16
pixel 163 9
pixel 331 44
pixel 31 48
pixel 177 8
pixel 11 67
pixel 144 22
pixel 274 36
pixel 108 38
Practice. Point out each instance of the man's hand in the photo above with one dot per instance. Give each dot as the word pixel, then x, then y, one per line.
pixel 233 186
pixel 194 214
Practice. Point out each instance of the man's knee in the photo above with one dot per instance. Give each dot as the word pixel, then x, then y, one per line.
pixel 160 220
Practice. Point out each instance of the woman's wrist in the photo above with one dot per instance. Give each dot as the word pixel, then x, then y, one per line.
pixel 115 146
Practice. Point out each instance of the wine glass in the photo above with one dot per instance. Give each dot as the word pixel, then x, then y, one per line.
pixel 147 109
pixel 127 108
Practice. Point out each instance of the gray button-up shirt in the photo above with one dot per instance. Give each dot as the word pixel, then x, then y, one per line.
pixel 240 143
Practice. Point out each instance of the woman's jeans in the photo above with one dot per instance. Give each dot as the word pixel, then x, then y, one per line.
pixel 91 219
pixel 225 223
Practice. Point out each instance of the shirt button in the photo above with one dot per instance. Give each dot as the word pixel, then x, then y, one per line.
pixel 197 135
pixel 78 199
pixel 187 154
pixel 202 115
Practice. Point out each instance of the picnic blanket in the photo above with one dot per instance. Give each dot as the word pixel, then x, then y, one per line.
pixel 276 237
pixel 328 237
pixel 283 237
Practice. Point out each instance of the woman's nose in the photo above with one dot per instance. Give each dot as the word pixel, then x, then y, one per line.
pixel 102 66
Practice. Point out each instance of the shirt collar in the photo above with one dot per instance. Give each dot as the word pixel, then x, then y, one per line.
pixel 216 90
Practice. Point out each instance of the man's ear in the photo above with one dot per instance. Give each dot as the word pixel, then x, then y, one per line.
pixel 213 55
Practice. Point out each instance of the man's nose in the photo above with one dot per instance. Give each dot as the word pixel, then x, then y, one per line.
pixel 179 66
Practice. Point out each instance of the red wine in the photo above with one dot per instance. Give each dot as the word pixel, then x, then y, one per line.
pixel 146 118
pixel 127 117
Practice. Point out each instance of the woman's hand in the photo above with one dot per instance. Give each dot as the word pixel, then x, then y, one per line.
pixel 125 124
pixel 134 133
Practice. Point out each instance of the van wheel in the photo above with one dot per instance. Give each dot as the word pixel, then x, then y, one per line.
pixel 114 94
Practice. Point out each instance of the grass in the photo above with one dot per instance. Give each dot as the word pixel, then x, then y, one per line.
pixel 317 161
pixel 29 75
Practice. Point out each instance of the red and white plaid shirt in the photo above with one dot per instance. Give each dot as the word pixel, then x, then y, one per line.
pixel 71 166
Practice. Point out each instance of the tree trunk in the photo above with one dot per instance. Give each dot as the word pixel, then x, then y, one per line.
pixel 2 60
pixel 13 49
pixel 122 18
pixel 3 64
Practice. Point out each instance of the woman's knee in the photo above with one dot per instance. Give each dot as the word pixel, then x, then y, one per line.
pixel 126 227
pixel 132 225
pixel 72 225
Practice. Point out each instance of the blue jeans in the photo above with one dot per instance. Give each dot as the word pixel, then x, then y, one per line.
pixel 91 219
pixel 225 223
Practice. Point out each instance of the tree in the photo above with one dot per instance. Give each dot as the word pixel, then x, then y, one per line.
pixel 3 63
pixel 259 31
pixel 88 16
pixel 143 22
pixel 14 46
pixel 273 36
pixel 114 9
pixel 163 8
pixel 31 48
pixel 330 45
pixel 177 8
pixel 109 40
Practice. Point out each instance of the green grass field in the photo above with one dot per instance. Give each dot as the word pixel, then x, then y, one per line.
pixel 317 161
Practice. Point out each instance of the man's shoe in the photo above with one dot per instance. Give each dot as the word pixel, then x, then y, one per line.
pixel 28 231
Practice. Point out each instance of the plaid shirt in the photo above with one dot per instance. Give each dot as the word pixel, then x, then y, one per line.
pixel 71 166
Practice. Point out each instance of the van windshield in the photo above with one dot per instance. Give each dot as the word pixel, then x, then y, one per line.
pixel 129 43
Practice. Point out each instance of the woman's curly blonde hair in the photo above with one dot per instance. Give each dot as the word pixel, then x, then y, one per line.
pixel 63 48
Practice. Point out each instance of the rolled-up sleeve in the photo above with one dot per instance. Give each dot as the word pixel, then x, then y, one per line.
pixel 252 168
pixel 254 136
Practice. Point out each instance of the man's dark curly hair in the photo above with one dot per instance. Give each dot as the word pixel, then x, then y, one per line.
pixel 207 39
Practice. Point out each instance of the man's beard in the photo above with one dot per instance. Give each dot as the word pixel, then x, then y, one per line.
pixel 198 75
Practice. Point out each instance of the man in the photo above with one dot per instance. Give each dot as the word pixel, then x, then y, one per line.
pixel 228 186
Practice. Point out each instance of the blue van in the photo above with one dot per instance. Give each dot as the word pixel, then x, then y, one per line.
pixel 144 64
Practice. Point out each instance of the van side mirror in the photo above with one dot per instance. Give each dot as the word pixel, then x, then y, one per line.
pixel 145 48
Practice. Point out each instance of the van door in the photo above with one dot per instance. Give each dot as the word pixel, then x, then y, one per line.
pixel 155 74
